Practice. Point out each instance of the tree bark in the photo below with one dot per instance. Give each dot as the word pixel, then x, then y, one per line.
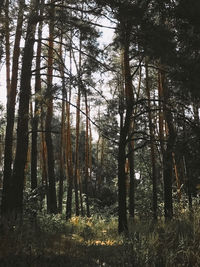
pixel 17 183
pixel 87 157
pixel 124 129
pixel 48 122
pixel 69 150
pixel 131 160
pixel 11 114
pixel 62 136
pixel 152 146
pixel 35 120
pixel 76 172
pixel 167 156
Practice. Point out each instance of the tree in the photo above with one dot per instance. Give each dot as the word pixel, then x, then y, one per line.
pixel 49 114
pixel 35 120
pixel 6 201
pixel 17 180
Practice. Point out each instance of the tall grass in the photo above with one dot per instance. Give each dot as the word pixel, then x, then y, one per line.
pixel 51 241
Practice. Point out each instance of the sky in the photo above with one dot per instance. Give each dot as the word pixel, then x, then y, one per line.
pixel 106 38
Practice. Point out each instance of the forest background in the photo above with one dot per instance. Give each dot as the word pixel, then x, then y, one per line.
pixel 101 133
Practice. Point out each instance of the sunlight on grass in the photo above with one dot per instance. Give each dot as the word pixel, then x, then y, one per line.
pixel 95 241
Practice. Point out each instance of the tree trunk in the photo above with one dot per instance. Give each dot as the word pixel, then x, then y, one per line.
pixel 132 173
pixel 49 116
pixel 69 166
pixel 44 159
pixel 152 146
pixel 35 121
pixel 78 131
pixel 178 184
pixel 69 151
pixel 86 156
pixel 62 136
pixel 167 156
pixel 124 130
pixel 17 182
pixel 6 202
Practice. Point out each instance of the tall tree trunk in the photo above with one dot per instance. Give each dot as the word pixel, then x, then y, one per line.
pixel 124 129
pixel 87 156
pixel 167 156
pixel 44 159
pixel 132 154
pixel 69 165
pixel 90 150
pixel 69 147
pixel 6 201
pixel 78 130
pixel 152 146
pixel 49 116
pixel 62 136
pixel 35 120
pixel 132 172
pixel 17 182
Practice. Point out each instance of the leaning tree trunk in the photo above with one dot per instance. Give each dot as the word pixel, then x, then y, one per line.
pixel 17 183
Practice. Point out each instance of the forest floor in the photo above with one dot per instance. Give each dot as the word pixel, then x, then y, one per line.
pixel 51 242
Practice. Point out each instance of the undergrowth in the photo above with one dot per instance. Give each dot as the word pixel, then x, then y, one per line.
pixel 48 240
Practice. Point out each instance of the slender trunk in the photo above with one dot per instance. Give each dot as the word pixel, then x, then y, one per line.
pixel 69 166
pixel 177 177
pixel 167 156
pixel 132 154
pixel 86 157
pixel 98 174
pixel 62 137
pixel 90 150
pixel 100 162
pixel 124 130
pixel 49 116
pixel 152 146
pixel 69 149
pixel 6 201
pixel 77 152
pixel 62 173
pixel 81 194
pixel 44 159
pixel 132 173
pixel 187 174
pixel 78 132
pixel 35 120
pixel 17 182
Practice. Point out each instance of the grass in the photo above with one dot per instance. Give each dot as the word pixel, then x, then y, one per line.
pixel 50 241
